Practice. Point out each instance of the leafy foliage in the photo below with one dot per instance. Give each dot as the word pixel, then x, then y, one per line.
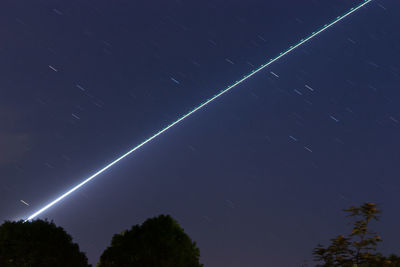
pixel 366 241
pixel 159 241
pixel 337 254
pixel 359 247
pixel 38 244
pixel 381 261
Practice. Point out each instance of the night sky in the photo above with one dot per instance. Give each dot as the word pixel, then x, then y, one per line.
pixel 257 178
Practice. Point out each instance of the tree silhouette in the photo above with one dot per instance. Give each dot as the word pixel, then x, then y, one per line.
pixel 359 247
pixel 38 244
pixel 159 241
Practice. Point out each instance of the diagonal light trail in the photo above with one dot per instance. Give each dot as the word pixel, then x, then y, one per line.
pixel 246 77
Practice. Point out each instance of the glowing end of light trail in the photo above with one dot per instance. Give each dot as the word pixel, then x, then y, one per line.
pixel 246 77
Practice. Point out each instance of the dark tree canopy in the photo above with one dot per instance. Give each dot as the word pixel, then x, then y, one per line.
pixel 159 241
pixel 38 244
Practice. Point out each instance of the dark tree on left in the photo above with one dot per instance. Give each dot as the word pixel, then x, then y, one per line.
pixel 38 243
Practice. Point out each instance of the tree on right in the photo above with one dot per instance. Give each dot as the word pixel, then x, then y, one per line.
pixel 357 249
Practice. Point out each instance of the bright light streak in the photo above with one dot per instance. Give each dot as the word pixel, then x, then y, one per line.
pixel 246 77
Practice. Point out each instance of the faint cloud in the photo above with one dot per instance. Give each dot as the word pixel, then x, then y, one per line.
pixel 12 147
pixel 14 142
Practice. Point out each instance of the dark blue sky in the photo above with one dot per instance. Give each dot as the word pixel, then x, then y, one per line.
pixel 257 178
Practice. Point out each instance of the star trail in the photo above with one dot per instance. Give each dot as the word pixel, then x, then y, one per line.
pixel 199 107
